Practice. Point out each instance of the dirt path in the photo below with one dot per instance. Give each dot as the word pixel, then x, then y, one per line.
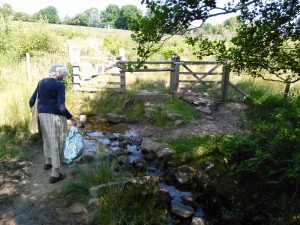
pixel 228 119
pixel 27 197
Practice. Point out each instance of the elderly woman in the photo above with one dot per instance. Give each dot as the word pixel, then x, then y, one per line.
pixel 53 116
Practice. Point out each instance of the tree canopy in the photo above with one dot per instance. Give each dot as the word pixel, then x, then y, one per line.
pixel 6 11
pixel 50 13
pixel 267 40
pixel 127 13
pixel 110 15
pixel 94 17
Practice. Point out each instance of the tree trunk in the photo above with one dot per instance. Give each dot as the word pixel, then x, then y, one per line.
pixel 287 89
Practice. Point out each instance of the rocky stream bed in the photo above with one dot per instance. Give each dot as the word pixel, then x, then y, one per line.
pixel 27 198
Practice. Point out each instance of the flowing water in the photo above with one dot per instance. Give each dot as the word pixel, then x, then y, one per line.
pixel 102 138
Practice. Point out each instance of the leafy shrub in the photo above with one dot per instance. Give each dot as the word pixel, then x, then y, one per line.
pixel 268 159
pixel 38 42
pixel 113 44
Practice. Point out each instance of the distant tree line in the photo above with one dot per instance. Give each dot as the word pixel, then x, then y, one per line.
pixel 112 17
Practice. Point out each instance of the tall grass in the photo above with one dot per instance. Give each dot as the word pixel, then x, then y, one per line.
pixel 126 204
pixel 14 103
pixel 98 172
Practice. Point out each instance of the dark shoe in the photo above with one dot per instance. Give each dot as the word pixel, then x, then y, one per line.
pixel 60 177
pixel 47 166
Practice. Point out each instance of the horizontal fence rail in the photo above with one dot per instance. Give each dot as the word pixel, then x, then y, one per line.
pixel 88 80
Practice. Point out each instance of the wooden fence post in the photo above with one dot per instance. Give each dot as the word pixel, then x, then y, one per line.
pixel 123 80
pixel 174 75
pixel 122 54
pixel 28 67
pixel 76 78
pixel 225 81
pixel 74 54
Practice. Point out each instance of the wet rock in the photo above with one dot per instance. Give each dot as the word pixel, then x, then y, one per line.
pixel 123 144
pixel 148 184
pixel 140 164
pixel 178 122
pixel 175 117
pixel 204 110
pixel 182 178
pixel 94 203
pixel 77 207
pixel 185 175
pixel 120 152
pixel 123 137
pixel 182 210
pixel 123 159
pixel 171 164
pixel 198 221
pixel 188 200
pixel 165 153
pixel 114 118
pixel 111 137
pixel 209 117
pixel 149 145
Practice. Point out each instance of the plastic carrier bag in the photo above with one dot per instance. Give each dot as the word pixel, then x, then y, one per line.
pixel 74 144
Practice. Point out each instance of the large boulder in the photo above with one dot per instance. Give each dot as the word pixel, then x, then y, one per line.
pixel 148 145
pixel 114 118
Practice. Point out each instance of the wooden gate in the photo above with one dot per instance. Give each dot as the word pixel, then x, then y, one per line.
pixel 115 70
pixel 96 73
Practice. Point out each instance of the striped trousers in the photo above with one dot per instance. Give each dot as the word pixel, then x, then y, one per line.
pixel 54 132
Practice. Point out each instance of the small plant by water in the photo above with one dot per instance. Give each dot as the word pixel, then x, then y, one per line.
pixel 98 171
pixel 126 204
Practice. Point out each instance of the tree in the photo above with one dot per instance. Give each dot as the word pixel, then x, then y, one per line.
pixel 110 15
pixel 81 19
pixel 231 24
pixel 267 40
pixel 128 13
pixel 93 16
pixel 6 12
pixel 50 13
pixel 22 16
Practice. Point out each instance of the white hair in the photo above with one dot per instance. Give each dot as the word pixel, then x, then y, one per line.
pixel 58 71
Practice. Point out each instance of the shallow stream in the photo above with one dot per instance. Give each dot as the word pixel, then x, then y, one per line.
pixel 102 138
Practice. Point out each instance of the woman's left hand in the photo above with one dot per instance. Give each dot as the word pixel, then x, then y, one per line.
pixel 73 121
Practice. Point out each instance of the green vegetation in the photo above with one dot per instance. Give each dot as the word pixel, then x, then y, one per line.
pixel 99 171
pixel 11 142
pixel 267 158
pixel 122 205
pixel 266 43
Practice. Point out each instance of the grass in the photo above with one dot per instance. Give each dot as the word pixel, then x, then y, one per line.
pixel 273 119
pixel 122 205
pixel 11 142
pixel 98 172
